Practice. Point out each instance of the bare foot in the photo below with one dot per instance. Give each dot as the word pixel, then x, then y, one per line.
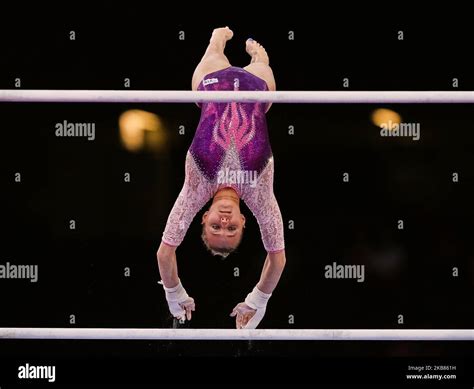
pixel 256 51
pixel 222 34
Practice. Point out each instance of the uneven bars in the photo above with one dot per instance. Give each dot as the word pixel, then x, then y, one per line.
pixel 184 96
pixel 232 334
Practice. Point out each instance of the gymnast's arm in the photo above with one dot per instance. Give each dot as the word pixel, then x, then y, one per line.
pixel 250 312
pixel 271 272
pixel 270 221
pixel 263 204
pixel 193 196
pixel 167 264
pixel 195 193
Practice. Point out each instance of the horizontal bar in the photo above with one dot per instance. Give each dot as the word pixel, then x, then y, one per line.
pixel 232 334
pixel 184 96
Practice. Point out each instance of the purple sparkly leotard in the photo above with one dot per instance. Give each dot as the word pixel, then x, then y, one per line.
pixel 230 149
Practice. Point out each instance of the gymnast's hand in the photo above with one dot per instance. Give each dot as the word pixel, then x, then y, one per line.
pixel 251 312
pixel 243 314
pixel 179 303
pixel 182 311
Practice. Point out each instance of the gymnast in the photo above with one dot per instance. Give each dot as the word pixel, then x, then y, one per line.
pixel 230 137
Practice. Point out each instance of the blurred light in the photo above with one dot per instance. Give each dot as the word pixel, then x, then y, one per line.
pixel 141 130
pixel 386 118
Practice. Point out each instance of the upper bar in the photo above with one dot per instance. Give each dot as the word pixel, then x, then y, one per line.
pixel 233 334
pixel 184 96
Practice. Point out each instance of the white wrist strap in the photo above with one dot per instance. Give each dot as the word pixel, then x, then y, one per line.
pixel 176 293
pixel 257 299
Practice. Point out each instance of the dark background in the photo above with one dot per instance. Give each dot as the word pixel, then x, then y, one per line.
pixel 120 224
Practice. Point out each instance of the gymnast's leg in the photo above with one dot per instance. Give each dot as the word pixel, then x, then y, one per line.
pixel 260 63
pixel 214 58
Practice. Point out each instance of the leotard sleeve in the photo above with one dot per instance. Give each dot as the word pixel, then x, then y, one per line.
pixel 262 202
pixel 195 193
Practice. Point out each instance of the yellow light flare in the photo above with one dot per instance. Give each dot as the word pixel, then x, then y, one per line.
pixel 141 130
pixel 386 118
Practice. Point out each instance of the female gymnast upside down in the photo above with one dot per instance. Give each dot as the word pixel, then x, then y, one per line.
pixel 231 141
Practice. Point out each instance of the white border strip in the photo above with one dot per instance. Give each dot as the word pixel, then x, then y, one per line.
pixel 183 96
pixel 231 334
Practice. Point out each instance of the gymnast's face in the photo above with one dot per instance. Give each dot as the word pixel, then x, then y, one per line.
pixel 223 224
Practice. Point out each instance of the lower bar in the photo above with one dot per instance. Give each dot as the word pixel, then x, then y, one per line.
pixel 233 334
